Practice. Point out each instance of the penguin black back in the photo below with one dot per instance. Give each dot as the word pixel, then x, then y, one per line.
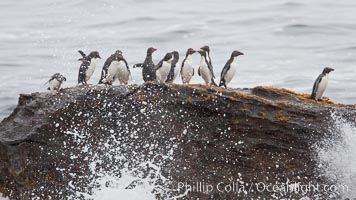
pixel 148 67
pixel 224 73
pixel 174 63
pixel 93 54
pixel 104 71
pixel 82 70
pixel 167 57
pixel 210 72
pixel 206 48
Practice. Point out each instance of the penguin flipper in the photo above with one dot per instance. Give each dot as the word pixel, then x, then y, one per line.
pixel 193 72
pixel 82 53
pixel 211 68
pixel 199 71
pixel 225 69
pixel 159 65
pixel 102 77
pixel 316 85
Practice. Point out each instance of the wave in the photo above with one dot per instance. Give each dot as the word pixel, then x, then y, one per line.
pixel 112 173
pixel 337 156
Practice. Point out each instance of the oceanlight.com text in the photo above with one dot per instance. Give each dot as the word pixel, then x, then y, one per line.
pixel 242 187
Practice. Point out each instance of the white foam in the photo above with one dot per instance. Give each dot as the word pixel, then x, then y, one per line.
pixel 2 198
pixel 338 158
pixel 117 187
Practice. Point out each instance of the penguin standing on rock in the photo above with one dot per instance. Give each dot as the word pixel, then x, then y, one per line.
pixel 174 69
pixel 86 71
pixel 55 82
pixel 163 68
pixel 111 68
pixel 205 70
pixel 148 67
pixel 123 73
pixel 229 69
pixel 187 70
pixel 320 84
pixel 208 58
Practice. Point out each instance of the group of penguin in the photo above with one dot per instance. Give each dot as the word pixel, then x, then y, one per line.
pixel 165 71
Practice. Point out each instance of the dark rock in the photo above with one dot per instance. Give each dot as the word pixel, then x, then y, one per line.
pixel 59 146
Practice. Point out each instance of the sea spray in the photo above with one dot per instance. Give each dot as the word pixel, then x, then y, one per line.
pixel 337 155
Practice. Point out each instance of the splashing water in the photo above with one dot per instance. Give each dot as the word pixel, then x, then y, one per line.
pixel 3 198
pixel 144 181
pixel 338 157
pixel 112 187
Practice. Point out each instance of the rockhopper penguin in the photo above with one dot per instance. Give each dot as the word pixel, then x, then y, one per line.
pixel 229 69
pixel 86 71
pixel 163 68
pixel 123 73
pixel 208 58
pixel 174 69
pixel 205 70
pixel 55 82
pixel 111 68
pixel 187 70
pixel 320 84
pixel 148 67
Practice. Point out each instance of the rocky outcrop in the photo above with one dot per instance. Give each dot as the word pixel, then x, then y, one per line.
pixel 60 145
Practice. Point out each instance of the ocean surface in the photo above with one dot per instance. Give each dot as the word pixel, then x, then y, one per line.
pixel 286 43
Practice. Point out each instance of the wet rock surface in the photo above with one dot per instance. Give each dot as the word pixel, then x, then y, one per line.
pixel 59 145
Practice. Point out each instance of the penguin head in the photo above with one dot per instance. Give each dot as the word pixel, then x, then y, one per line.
pixel 168 57
pixel 94 54
pixel 175 54
pixel 202 53
pixel 118 52
pixel 150 50
pixel 62 78
pixel 190 51
pixel 328 70
pixel 205 48
pixel 236 53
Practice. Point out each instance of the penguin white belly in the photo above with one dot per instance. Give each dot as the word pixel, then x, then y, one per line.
pixel 230 73
pixel 321 87
pixel 123 74
pixel 90 70
pixel 112 71
pixel 54 85
pixel 205 72
pixel 187 73
pixel 163 72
